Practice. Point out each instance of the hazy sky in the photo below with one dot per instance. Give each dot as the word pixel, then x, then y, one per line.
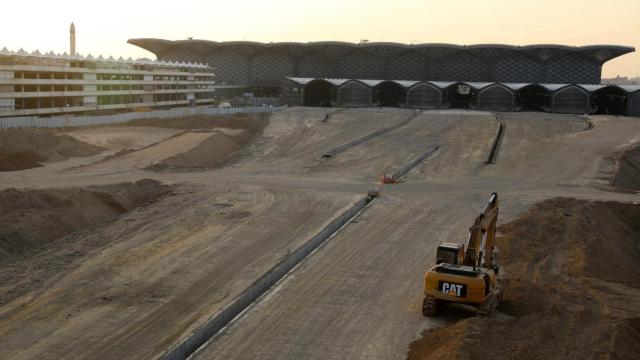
pixel 104 27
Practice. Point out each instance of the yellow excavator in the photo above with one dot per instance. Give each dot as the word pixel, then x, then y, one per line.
pixel 467 274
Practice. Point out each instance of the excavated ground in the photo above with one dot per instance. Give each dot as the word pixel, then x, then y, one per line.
pixel 244 192
pixel 571 270
pixel 627 170
pixel 186 144
pixel 32 221
pixel 22 149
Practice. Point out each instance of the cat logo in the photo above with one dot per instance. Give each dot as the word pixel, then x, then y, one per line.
pixel 452 289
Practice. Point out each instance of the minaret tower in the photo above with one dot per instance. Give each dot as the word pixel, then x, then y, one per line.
pixel 72 39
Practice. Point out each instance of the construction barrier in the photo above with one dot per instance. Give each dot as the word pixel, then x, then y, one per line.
pixel 73 121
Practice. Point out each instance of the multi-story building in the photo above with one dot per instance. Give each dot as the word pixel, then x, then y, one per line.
pixel 48 84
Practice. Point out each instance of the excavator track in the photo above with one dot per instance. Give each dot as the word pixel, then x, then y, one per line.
pixel 429 306
pixel 488 308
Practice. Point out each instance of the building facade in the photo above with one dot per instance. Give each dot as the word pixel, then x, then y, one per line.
pixel 48 84
pixel 263 65
pixel 489 96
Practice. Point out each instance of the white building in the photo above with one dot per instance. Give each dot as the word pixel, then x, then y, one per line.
pixel 47 84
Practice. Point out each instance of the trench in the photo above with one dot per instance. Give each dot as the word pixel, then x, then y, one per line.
pixel 368 137
pixel 493 154
pixel 415 162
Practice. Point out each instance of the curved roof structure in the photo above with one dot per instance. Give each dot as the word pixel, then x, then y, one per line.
pixel 254 63
pixel 551 88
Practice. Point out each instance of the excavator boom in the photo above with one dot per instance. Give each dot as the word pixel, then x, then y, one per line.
pixel 482 236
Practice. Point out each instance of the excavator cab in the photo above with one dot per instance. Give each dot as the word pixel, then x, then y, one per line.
pixel 450 253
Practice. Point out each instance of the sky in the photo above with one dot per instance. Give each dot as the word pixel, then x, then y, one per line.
pixel 104 27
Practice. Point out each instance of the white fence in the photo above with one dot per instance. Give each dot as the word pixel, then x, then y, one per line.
pixel 72 121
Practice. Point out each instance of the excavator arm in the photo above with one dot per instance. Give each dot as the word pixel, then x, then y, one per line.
pixel 482 236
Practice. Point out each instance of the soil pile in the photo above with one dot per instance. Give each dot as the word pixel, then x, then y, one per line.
pixel 30 219
pixel 22 149
pixel 229 134
pixel 571 273
pixel 627 171
pixel 210 153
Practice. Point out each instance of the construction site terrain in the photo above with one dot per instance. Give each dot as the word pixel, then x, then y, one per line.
pixel 126 241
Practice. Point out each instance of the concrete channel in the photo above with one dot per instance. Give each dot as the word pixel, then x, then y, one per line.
pixel 365 138
pixel 187 346
pixel 413 163
pixel 493 154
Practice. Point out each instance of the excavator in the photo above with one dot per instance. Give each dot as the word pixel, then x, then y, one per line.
pixel 467 274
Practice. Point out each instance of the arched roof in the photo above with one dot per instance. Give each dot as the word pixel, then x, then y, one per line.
pixel 479 85
pixel 624 88
pixel 305 81
pixel 366 83
pixel 302 81
pixel 406 83
pixel 419 83
pixel 371 83
pixel 592 88
pixel 442 84
pixel 566 87
pixel 516 86
pixel 629 88
pixel 554 87
pixel 491 85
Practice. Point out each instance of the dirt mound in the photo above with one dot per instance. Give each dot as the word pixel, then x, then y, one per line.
pixel 213 152
pixel 22 149
pixel 29 219
pixel 207 142
pixel 627 170
pixel 571 272
pixel 14 161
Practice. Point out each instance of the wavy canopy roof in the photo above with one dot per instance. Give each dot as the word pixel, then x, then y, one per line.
pixel 265 64
pixel 599 53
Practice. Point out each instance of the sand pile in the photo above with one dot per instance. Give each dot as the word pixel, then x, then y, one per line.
pixel 26 148
pixel 210 153
pixel 627 171
pixel 29 219
pixel 571 272
pixel 207 142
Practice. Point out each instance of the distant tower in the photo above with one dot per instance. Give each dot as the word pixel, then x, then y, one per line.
pixel 72 39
